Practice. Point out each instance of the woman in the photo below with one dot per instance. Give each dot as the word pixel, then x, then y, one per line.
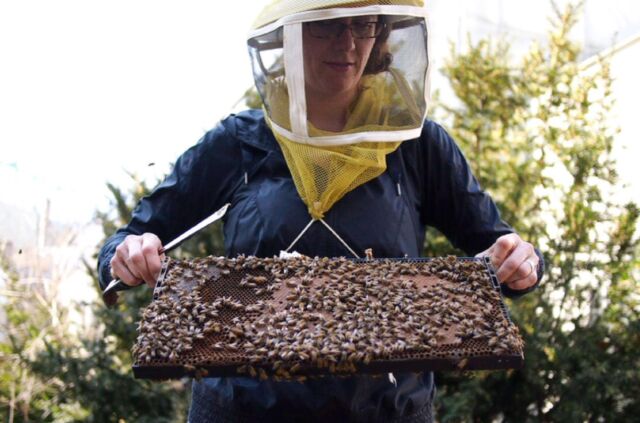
pixel 329 148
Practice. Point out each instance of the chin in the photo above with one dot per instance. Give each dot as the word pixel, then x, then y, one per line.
pixel 339 87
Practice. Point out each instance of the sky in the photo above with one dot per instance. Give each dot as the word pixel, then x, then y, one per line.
pixel 91 90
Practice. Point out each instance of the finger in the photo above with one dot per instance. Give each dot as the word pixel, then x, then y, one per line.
pixel 502 248
pixel 122 256
pixel 124 251
pixel 151 244
pixel 527 268
pixel 120 271
pixel 524 283
pixel 515 267
pixel 136 262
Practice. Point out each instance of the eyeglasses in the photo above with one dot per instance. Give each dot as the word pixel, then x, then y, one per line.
pixel 333 28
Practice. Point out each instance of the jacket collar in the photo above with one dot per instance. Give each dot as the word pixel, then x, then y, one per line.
pixel 250 127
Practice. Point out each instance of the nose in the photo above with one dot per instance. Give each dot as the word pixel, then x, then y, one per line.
pixel 345 40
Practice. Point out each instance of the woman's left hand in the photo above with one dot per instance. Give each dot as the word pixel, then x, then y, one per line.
pixel 515 261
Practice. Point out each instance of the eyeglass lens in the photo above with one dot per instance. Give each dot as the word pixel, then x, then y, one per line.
pixel 334 28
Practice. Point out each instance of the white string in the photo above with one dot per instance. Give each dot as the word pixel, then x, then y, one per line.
pixel 338 236
pixel 393 380
pixel 330 230
pixel 300 235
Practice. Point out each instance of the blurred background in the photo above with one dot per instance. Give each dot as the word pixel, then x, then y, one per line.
pixel 98 99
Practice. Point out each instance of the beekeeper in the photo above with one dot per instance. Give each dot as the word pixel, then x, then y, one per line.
pixel 339 160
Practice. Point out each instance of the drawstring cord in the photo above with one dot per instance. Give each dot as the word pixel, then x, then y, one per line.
pixel 330 230
pixel 339 239
pixel 299 235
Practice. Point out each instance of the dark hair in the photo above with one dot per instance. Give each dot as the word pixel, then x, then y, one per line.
pixel 380 59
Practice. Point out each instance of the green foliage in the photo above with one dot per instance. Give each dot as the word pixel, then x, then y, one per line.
pixel 53 370
pixel 538 138
pixel 252 99
pixel 120 322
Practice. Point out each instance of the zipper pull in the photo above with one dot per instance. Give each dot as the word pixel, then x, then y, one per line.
pixel 398 178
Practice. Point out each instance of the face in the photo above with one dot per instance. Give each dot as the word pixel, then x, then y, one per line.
pixel 333 66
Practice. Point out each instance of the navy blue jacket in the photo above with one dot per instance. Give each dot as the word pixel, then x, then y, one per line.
pixel 427 182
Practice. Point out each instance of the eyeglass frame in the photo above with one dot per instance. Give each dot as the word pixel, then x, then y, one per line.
pixel 380 26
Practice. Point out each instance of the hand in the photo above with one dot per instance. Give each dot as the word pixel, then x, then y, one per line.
pixel 137 260
pixel 515 261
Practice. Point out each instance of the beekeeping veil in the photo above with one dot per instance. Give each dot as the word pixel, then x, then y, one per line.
pixel 390 101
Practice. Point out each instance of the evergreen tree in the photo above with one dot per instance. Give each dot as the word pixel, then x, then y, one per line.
pixel 53 372
pixel 539 140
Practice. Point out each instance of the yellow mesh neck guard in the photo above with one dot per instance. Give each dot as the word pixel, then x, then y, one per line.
pixel 323 174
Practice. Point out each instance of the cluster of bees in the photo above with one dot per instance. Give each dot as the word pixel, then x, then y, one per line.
pixel 293 317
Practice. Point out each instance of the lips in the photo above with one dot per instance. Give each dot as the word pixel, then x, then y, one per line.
pixel 340 66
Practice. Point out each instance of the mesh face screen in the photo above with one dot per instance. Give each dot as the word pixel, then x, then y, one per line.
pixel 375 89
pixel 339 104
pixel 294 318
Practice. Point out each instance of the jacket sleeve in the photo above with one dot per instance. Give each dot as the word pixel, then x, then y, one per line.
pixel 201 181
pixel 454 202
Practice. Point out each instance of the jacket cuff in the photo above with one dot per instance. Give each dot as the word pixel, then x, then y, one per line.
pixel 104 272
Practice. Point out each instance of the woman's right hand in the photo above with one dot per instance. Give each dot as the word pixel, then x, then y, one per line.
pixel 138 260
